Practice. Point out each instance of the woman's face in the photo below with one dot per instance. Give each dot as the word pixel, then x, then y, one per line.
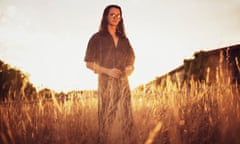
pixel 114 16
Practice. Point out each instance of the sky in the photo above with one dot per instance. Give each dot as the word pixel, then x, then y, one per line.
pixel 47 39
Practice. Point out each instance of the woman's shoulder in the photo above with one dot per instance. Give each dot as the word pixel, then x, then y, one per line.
pixel 95 37
pixel 99 34
pixel 125 39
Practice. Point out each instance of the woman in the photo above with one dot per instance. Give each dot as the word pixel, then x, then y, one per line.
pixel 110 55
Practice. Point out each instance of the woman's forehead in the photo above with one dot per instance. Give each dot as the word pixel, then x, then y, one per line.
pixel 114 10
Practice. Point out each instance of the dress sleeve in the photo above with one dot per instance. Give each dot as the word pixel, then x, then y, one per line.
pixel 91 52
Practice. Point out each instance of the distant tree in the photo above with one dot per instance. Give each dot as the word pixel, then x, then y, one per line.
pixel 14 85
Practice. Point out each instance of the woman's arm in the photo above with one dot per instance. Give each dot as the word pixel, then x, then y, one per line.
pixel 129 69
pixel 96 68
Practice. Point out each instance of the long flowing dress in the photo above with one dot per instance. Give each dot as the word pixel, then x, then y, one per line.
pixel 115 120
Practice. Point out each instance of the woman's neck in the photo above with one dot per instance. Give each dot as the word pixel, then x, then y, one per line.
pixel 112 30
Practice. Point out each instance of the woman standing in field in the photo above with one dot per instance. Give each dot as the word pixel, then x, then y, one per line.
pixel 110 55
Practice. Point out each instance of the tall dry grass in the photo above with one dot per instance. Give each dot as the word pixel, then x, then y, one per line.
pixel 49 122
pixel 191 113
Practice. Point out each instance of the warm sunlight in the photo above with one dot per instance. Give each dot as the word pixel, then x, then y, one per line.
pixel 48 60
pixel 185 87
pixel 48 42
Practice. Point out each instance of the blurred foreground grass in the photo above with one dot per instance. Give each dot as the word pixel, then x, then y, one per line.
pixel 190 114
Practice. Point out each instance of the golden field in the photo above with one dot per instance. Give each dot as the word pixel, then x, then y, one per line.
pixel 192 113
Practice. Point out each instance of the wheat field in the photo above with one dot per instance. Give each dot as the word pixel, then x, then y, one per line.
pixel 195 113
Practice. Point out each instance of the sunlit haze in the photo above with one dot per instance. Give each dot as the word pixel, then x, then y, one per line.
pixel 47 39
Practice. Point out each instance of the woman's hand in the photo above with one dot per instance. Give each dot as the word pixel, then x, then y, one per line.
pixel 129 69
pixel 114 72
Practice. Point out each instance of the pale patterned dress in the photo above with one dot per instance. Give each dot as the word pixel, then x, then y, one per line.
pixel 115 121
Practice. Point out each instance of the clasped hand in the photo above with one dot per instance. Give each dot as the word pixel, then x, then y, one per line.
pixel 116 73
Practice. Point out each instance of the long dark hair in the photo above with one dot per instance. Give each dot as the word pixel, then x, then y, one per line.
pixel 104 22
